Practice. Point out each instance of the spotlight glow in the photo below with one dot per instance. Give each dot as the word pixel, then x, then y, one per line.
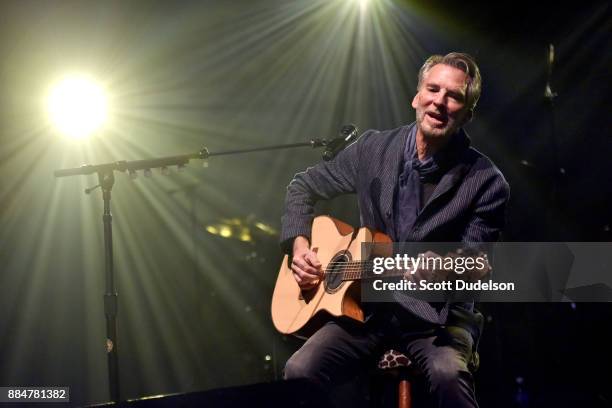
pixel 77 106
pixel 363 5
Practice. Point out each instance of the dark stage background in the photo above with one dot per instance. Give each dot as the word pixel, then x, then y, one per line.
pixel 193 306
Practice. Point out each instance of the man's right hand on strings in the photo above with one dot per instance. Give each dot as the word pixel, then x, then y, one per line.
pixel 305 264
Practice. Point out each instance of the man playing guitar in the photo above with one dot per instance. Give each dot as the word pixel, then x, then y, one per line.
pixel 418 183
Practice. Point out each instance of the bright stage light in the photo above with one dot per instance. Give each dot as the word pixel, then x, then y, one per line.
pixel 77 106
pixel 363 4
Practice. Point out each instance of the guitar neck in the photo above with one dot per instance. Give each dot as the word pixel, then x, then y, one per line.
pixel 359 270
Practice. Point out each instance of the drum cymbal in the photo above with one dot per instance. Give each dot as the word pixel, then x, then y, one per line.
pixel 242 229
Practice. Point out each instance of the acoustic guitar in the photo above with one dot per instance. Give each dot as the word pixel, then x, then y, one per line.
pixel 338 245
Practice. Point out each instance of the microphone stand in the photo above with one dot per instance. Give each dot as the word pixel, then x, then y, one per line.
pixel 106 180
pixel 556 171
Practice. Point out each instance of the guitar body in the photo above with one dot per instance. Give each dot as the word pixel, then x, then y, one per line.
pixel 299 312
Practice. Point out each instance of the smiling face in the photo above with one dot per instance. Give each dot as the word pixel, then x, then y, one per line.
pixel 441 102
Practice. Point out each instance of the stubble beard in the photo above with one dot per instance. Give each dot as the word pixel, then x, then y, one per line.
pixel 434 133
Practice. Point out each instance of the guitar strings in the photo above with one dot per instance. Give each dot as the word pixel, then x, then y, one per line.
pixel 352 266
pixel 357 268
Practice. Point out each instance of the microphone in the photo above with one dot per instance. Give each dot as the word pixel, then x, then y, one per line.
pixel 348 134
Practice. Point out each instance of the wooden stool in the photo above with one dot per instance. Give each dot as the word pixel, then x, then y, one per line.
pixel 399 365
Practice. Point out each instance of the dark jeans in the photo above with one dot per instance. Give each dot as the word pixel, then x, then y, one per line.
pixel 340 350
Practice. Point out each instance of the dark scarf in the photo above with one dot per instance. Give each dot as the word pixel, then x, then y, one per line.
pixel 415 173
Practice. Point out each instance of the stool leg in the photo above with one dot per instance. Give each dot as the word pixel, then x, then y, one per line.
pixel 404 395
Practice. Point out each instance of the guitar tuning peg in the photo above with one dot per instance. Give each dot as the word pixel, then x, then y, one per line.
pixel 133 174
pixel 147 173
pixel 180 168
pixel 165 171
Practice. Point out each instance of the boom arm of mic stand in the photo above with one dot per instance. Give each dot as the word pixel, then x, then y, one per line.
pixel 314 143
pixel 180 160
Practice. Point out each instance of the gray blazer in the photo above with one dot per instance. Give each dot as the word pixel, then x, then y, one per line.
pixel 468 204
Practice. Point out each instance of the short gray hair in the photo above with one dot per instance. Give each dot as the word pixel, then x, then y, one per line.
pixel 463 62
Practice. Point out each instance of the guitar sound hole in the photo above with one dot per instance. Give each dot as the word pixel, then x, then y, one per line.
pixel 333 273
